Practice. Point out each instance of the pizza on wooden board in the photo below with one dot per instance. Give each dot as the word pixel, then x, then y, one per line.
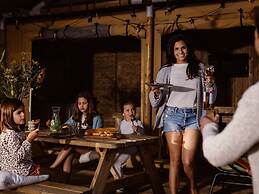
pixel 101 132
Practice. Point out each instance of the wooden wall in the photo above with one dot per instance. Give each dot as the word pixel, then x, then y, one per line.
pixel 116 80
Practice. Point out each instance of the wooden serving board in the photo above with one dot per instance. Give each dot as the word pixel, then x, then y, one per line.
pixel 110 129
pixel 112 133
pixel 104 137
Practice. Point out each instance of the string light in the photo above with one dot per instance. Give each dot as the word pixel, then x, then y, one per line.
pixel 192 22
pixel 241 11
pixel 176 24
pixel 90 19
pixel 96 30
pixel 127 27
pixel 177 21
pixel 133 13
pixel 222 3
pixel 17 24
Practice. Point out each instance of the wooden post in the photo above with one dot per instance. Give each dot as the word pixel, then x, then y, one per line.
pixel 143 79
pixel 149 64
pixel 157 63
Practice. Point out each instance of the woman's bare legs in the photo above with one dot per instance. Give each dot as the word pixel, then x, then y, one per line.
pixel 61 156
pixel 189 148
pixel 174 142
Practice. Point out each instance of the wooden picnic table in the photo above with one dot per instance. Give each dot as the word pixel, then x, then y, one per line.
pixel 108 147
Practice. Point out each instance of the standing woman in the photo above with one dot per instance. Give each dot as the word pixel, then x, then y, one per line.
pixel 180 108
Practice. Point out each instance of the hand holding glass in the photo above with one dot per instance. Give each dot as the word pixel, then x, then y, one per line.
pixel 33 124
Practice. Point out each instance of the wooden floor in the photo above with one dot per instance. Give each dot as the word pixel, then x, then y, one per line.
pixel 205 174
pixel 205 190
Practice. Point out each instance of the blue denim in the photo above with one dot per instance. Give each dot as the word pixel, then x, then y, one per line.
pixel 179 119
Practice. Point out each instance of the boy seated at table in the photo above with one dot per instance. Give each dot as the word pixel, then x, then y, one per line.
pixel 129 125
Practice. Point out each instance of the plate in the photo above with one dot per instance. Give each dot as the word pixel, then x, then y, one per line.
pixel 160 85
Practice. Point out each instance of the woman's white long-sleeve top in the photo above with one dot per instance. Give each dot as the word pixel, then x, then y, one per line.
pixel 240 136
pixel 163 77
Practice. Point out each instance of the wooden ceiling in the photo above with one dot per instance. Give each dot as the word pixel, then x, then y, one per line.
pixel 26 11
pixel 29 8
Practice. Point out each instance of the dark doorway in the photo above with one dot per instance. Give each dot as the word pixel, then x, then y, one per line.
pixel 68 70
pixel 74 65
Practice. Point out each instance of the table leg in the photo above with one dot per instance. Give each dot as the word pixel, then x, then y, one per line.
pixel 151 170
pixel 102 171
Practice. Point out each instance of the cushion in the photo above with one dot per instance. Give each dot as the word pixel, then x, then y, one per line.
pixel 9 180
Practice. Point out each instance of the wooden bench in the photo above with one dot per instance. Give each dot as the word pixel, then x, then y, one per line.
pixel 48 187
pixel 162 163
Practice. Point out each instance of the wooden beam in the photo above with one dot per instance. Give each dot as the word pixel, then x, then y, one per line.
pixel 149 64
pixel 142 82
pixel 157 62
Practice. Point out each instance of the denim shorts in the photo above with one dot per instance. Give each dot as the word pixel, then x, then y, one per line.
pixel 179 119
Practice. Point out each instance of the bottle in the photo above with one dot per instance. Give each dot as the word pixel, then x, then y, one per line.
pixel 55 124
pixel 208 91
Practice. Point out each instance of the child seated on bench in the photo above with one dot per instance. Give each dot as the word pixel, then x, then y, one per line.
pixel 15 147
pixel 129 125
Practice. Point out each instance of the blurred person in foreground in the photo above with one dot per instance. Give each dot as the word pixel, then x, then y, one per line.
pixel 241 136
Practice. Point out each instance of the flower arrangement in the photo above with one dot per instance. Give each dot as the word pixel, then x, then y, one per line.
pixel 16 79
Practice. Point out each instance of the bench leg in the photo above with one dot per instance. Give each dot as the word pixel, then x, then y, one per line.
pixel 102 171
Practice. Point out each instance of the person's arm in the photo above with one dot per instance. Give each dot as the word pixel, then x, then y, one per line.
pixel 70 122
pixel 138 127
pixel 17 148
pixel 97 122
pixel 238 137
pixel 156 96
pixel 155 100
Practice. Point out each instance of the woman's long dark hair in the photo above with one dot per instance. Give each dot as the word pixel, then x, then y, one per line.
pixel 193 63
pixel 77 115
pixel 8 106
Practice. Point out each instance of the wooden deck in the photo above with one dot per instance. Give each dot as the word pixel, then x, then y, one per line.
pixel 204 176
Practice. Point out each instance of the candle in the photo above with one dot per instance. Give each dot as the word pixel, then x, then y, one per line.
pixel 204 96
pixel 210 98
pixel 30 98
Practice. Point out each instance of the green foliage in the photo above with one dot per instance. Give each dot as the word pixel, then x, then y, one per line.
pixel 16 79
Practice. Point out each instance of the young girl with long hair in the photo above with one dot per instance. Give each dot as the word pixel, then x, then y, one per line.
pixel 15 146
pixel 84 116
